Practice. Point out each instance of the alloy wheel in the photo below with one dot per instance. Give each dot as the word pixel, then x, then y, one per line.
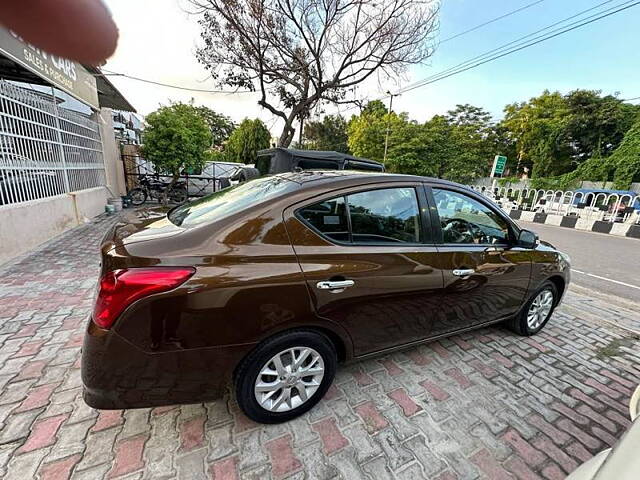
pixel 289 379
pixel 540 309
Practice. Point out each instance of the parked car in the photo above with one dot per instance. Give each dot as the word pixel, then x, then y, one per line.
pixel 620 462
pixel 213 176
pixel 271 283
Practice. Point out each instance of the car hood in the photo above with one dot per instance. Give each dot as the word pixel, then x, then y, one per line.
pixel 139 226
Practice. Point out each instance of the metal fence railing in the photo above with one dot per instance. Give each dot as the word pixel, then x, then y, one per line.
pixel 610 207
pixel 45 150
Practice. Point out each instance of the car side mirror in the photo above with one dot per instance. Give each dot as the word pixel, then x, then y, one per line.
pixel 527 239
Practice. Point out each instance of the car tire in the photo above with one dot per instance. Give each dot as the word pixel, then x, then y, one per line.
pixel 249 173
pixel 252 383
pixel 525 323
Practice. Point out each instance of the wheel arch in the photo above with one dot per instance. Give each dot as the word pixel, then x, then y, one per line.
pixel 560 284
pixel 342 345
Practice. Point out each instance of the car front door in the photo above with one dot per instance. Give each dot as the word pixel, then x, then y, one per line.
pixel 486 275
pixel 369 263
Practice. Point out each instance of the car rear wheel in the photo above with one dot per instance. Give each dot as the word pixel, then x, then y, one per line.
pixel 285 376
pixel 537 311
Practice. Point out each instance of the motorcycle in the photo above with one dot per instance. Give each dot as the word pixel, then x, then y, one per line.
pixel 155 189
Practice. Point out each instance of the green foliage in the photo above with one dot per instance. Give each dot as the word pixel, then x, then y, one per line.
pixel 457 147
pixel 176 138
pixel 561 182
pixel 506 181
pixel 246 140
pixel 330 133
pixel 220 125
pixel 367 132
pixel 626 159
pixel 555 133
pixel 216 156
pixel 537 128
pixel 375 107
pixel 622 167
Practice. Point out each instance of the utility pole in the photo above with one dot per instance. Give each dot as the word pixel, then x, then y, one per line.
pixel 300 133
pixel 386 137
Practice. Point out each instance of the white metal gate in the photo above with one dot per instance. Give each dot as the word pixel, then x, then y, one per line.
pixel 45 150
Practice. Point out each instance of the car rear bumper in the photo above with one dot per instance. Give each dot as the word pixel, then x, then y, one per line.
pixel 116 374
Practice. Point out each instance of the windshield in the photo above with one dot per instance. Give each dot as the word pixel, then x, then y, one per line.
pixel 231 200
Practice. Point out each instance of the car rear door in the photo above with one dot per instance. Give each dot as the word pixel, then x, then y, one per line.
pixel 369 262
pixel 486 275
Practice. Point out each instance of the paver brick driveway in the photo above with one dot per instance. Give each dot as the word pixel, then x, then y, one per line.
pixel 486 404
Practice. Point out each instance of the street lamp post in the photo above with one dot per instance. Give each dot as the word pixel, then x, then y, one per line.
pixel 386 137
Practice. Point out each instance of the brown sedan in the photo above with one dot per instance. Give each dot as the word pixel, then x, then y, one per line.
pixel 271 283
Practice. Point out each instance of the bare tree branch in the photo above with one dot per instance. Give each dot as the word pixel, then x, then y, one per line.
pixel 299 53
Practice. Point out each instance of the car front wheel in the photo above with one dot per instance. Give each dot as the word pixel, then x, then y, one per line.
pixel 285 376
pixel 537 311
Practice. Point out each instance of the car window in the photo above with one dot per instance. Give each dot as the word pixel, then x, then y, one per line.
pixel 389 215
pixel 316 164
pixel 328 217
pixel 466 220
pixel 231 200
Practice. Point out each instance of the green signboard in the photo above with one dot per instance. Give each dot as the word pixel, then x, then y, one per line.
pixel 499 163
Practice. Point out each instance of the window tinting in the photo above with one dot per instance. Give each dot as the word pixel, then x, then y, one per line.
pixel 385 216
pixel 328 217
pixel 317 164
pixel 465 220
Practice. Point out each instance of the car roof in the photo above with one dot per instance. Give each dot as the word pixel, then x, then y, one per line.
pixel 308 178
pixel 315 154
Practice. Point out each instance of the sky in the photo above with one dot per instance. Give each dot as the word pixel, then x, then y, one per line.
pixel 158 39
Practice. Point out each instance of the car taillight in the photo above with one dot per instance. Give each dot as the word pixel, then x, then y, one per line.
pixel 120 288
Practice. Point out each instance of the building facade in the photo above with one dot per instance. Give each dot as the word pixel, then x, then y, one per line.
pixel 59 159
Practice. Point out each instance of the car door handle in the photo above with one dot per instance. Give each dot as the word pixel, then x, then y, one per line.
pixel 463 272
pixel 335 285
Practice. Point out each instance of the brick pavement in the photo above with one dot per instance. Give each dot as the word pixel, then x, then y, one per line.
pixel 486 404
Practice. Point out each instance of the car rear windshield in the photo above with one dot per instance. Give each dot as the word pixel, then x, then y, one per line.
pixel 231 200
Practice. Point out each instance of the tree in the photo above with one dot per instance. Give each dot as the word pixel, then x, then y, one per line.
pixel 597 124
pixel 538 127
pixel 457 147
pixel 176 138
pixel 555 133
pixel 438 148
pixel 220 125
pixel 246 140
pixel 298 53
pixel 626 158
pixel 476 134
pixel 330 133
pixel 367 132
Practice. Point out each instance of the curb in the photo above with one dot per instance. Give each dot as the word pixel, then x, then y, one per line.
pixel 630 230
